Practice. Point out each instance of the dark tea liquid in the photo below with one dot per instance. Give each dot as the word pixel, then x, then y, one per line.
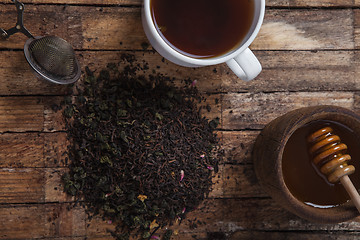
pixel 304 180
pixel 203 28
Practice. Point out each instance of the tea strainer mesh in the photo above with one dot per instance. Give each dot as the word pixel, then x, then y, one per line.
pixel 53 59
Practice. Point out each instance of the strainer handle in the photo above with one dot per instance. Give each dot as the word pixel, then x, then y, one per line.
pixel 19 24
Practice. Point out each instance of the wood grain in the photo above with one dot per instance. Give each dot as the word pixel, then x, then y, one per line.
pixel 31 185
pixel 306 30
pixel 238 146
pixel 33 150
pixel 231 215
pixel 77 2
pixel 255 110
pixel 17 78
pixel 316 73
pixel 244 235
pixel 312 3
pixel 31 167
pixel 214 215
pixel 299 71
pixel 310 55
pixel 117 28
pixel 234 181
pixel 40 221
pixel 22 114
pixel 357 27
pixel 275 3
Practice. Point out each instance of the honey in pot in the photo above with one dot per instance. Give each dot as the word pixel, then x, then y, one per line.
pixel 304 180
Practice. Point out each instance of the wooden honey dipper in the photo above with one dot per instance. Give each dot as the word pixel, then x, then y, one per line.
pixel 329 154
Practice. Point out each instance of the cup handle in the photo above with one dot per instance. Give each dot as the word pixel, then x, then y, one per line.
pixel 245 65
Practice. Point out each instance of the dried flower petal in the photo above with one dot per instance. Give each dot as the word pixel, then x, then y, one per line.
pixel 182 174
pixel 153 224
pixel 109 222
pixel 202 155
pixel 142 197
pixel 184 209
pixel 194 83
pixel 210 168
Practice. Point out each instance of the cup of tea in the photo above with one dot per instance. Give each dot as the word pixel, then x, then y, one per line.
pixel 195 33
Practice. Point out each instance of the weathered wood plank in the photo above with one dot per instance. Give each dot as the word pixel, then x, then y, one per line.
pixel 27 150
pixel 118 28
pixel 25 185
pixel 310 29
pixel 55 150
pixel 357 27
pixel 208 79
pixel 255 110
pixel 98 228
pixel 17 78
pixel 31 167
pixel 244 235
pixel 231 215
pixel 41 20
pixel 113 29
pixel 306 29
pixel 21 114
pixel 300 71
pixel 275 3
pixel 19 150
pixel 82 2
pixel 41 221
pixel 312 3
pixel 31 185
pixel 238 146
pixel 234 181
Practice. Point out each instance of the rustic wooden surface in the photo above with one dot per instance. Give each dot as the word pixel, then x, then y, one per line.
pixel 309 50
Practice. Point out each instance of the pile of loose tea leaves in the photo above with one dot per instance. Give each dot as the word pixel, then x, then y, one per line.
pixel 141 154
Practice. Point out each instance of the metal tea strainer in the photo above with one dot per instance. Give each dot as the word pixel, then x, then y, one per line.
pixel 51 57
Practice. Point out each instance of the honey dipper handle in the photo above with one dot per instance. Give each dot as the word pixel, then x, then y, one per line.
pixel 349 186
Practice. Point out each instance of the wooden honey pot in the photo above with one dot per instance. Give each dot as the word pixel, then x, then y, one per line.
pixel 287 171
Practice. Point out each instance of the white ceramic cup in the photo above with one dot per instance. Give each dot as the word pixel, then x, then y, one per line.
pixel 241 60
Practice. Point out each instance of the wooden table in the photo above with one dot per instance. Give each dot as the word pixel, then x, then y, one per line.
pixel 309 50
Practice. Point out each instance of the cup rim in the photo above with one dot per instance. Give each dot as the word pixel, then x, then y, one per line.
pixel 204 61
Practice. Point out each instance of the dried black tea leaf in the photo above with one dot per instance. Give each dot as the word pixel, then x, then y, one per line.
pixel 141 153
